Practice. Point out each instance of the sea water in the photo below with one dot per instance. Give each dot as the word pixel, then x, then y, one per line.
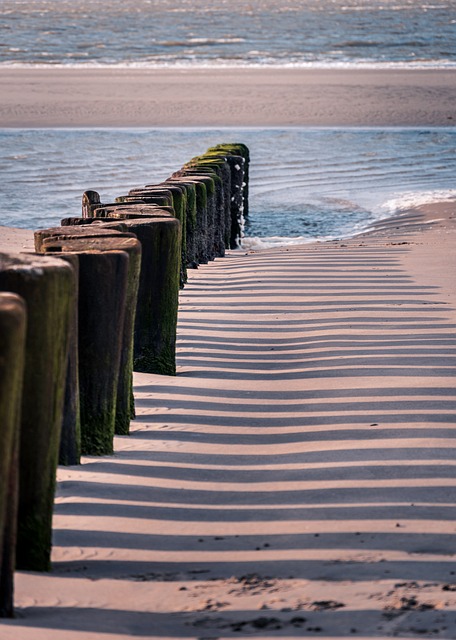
pixel 291 33
pixel 306 183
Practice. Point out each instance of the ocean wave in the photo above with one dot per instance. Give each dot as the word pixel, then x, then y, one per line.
pixel 412 199
pixel 236 63
pixel 252 243
pixel 199 42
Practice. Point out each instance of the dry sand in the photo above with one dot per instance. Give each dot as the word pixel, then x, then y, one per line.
pixel 296 478
pixel 226 97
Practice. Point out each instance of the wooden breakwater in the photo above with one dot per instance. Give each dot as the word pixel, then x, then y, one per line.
pixel 97 300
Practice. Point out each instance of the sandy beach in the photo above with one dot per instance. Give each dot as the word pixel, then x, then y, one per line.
pixel 73 97
pixel 296 478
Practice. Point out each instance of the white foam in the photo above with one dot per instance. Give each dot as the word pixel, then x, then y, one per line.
pixel 413 199
pixel 255 243
pixel 227 63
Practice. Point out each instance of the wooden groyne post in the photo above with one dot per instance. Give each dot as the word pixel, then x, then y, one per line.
pixel 12 354
pixel 48 287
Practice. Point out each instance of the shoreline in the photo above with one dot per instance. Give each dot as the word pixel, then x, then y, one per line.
pixel 18 239
pixel 272 97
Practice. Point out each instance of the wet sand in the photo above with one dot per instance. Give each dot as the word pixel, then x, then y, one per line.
pixel 296 478
pixel 225 97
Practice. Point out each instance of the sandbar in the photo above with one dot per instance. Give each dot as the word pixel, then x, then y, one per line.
pixel 73 97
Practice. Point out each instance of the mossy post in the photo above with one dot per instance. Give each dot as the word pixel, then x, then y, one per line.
pixel 238 200
pixel 48 288
pixel 70 441
pixel 219 168
pixel 102 293
pixel 123 242
pixel 237 149
pixel 215 172
pixel 201 210
pixel 191 242
pixel 179 203
pixel 12 353
pixel 70 435
pixel 156 314
pixel 147 197
pixel 238 158
pixel 208 215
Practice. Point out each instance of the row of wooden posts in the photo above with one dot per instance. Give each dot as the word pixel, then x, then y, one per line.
pixel 96 301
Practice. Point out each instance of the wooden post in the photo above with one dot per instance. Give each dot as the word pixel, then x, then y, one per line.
pixel 70 435
pixel 90 199
pixel 156 313
pixel 12 353
pixel 48 288
pixel 147 197
pixel 83 230
pixel 179 201
pixel 237 156
pixel 149 210
pixel 191 248
pixel 123 371
pixel 70 441
pixel 207 230
pixel 201 210
pixel 74 221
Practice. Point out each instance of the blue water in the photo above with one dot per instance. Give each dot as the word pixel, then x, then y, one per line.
pixel 151 33
pixel 306 183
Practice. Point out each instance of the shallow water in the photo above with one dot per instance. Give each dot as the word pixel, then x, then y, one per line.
pixel 150 33
pixel 306 183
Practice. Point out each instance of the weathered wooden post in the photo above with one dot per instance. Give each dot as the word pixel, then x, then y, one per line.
pixel 229 150
pixel 90 199
pixel 159 198
pixel 123 242
pixel 156 325
pixel 70 435
pixel 134 210
pixel 48 288
pixel 70 440
pixel 201 214
pixel 238 158
pixel 87 230
pixel 191 241
pixel 179 203
pixel 217 237
pixel 208 205
pixel 78 221
pixel 158 295
pixel 12 354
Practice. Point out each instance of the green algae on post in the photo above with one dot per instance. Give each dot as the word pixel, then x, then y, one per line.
pixel 48 288
pixel 124 370
pixel 156 318
pixel 12 354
